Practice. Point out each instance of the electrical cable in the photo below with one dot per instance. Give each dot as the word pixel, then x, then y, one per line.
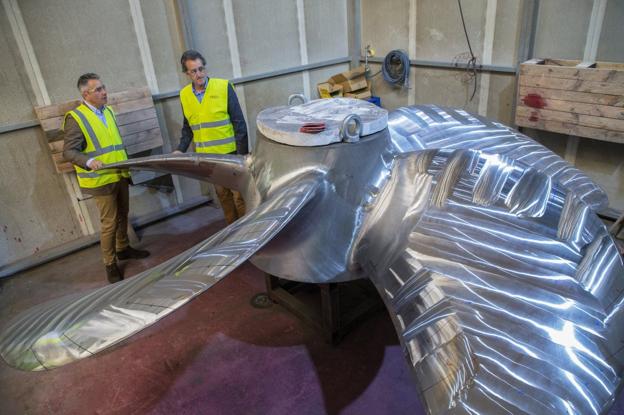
pixel 396 68
pixel 472 63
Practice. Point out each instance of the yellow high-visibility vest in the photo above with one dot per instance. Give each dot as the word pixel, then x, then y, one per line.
pixel 103 143
pixel 212 130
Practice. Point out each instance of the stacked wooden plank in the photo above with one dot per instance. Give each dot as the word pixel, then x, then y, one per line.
pixel 572 97
pixel 136 118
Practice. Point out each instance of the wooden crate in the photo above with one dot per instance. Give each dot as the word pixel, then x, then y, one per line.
pixel 136 119
pixel 571 97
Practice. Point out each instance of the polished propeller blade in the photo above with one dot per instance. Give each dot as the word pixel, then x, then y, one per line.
pixel 506 291
pixel 78 326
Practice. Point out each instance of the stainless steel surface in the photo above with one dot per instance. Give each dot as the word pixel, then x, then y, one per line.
pixel 351 128
pixel 282 124
pixel 78 326
pixel 430 127
pixel 226 170
pixel 301 97
pixel 506 290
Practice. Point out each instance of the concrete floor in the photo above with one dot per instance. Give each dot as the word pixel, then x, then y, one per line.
pixel 215 355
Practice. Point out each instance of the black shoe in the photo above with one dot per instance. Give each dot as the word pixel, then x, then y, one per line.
pixel 131 253
pixel 113 273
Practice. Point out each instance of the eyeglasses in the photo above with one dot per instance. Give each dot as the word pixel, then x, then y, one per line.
pixel 195 71
pixel 98 89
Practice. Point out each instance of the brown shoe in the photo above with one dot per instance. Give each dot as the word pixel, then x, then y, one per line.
pixel 131 253
pixel 113 273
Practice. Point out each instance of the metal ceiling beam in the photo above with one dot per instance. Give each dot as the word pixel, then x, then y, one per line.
pixel 451 65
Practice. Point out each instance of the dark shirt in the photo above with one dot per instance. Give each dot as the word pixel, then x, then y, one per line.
pixel 236 118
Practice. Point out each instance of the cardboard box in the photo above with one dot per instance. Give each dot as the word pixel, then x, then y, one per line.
pixel 360 71
pixel 350 80
pixel 354 84
pixel 327 90
pixel 361 94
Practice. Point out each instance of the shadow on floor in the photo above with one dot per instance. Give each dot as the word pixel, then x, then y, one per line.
pixel 216 354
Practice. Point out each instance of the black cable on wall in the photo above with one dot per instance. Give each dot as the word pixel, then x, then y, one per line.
pixel 472 63
pixel 396 68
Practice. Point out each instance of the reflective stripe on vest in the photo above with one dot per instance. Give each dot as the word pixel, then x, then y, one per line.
pixel 105 150
pixel 96 143
pixel 98 173
pixel 210 124
pixel 209 119
pixel 213 143
pixel 106 146
pixel 88 175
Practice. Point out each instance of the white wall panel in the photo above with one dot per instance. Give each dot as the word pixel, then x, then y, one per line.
pixel 207 20
pixel 507 32
pixel 71 37
pixel 501 98
pixel 446 87
pixel 165 43
pixel 16 99
pixel 35 211
pixel 268 35
pixel 439 32
pixel 326 29
pixel 610 47
pixel 562 28
pixel 385 25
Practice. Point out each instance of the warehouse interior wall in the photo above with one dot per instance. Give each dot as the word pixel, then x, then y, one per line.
pixel 431 30
pixel 603 161
pixel 46 45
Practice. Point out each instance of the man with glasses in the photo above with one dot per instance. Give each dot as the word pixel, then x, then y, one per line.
pixel 92 140
pixel 214 121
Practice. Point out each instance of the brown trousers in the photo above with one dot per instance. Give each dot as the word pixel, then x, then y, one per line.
pixel 232 203
pixel 113 209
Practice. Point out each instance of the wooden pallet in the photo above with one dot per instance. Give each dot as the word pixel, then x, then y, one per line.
pixel 136 119
pixel 572 97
